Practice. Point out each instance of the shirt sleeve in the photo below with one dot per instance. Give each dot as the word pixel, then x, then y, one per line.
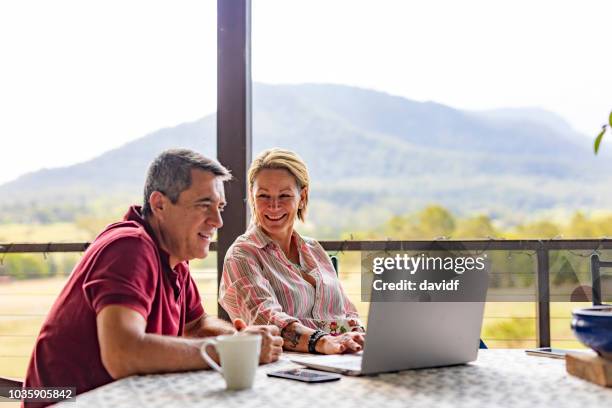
pixel 245 293
pixel 194 302
pixel 125 272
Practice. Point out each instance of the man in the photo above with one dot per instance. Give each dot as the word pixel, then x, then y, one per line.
pixel 130 306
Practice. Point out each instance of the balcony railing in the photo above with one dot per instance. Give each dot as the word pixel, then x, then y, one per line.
pixel 540 248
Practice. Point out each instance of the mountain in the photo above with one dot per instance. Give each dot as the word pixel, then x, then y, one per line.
pixel 535 115
pixel 370 154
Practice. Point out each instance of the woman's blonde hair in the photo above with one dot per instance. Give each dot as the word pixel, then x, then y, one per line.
pixel 280 159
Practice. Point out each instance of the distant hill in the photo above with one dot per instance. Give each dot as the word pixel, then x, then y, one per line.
pixel 370 154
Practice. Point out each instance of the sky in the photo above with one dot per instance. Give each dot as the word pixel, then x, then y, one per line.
pixel 78 78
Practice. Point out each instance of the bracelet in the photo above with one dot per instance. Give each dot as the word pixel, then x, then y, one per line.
pixel 312 341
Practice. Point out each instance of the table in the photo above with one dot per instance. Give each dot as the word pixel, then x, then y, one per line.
pixel 499 378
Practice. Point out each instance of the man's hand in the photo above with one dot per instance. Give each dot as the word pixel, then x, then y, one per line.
pixel 271 342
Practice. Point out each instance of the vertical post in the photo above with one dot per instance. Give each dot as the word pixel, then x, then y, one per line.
pixel 595 279
pixel 233 116
pixel 543 298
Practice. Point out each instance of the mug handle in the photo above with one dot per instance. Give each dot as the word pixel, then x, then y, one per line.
pixel 207 357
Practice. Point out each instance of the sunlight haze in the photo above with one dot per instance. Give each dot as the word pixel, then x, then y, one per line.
pixel 79 78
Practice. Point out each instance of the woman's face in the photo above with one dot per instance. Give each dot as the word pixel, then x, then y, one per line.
pixel 276 199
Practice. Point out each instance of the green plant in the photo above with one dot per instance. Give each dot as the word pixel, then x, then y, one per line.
pixel 600 135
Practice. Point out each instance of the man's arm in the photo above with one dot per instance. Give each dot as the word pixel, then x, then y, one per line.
pixel 126 348
pixel 206 326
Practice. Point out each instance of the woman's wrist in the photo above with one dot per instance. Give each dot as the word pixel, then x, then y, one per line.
pixel 315 341
pixel 320 346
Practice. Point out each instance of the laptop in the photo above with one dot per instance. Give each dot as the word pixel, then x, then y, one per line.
pixel 407 335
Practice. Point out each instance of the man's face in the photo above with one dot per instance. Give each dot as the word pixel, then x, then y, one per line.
pixel 187 226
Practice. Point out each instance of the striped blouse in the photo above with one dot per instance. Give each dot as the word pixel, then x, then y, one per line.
pixel 262 286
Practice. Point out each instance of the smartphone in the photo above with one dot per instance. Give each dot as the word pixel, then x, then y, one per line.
pixel 547 352
pixel 305 375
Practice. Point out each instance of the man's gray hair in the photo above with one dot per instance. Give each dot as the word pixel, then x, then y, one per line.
pixel 170 174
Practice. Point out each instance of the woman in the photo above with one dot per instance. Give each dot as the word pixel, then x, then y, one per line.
pixel 272 275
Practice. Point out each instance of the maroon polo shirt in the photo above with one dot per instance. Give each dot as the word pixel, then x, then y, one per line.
pixel 123 266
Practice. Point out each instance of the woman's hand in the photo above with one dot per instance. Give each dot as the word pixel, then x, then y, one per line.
pixel 351 342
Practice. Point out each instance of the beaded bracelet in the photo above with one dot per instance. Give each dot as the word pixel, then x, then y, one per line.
pixel 312 341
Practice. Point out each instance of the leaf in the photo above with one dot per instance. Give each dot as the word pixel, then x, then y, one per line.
pixel 598 138
pixel 610 119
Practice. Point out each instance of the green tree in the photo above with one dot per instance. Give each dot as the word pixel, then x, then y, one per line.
pixel 603 226
pixel 432 222
pixel 35 266
pixel 475 227
pixel 581 227
pixel 12 267
pixel 436 221
pixel 397 227
pixel 26 266
pixel 537 230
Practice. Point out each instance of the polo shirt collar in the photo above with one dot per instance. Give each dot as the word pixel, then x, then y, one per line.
pixel 134 214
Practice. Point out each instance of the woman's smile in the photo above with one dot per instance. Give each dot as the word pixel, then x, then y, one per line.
pixel 275 217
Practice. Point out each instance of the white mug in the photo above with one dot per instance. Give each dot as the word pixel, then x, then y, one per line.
pixel 239 355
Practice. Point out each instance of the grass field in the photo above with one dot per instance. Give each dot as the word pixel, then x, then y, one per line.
pixel 24 304
pixel 37 233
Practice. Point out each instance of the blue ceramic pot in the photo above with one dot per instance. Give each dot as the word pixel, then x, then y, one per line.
pixel 593 327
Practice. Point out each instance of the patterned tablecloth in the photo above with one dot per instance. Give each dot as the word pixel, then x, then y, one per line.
pixel 499 378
